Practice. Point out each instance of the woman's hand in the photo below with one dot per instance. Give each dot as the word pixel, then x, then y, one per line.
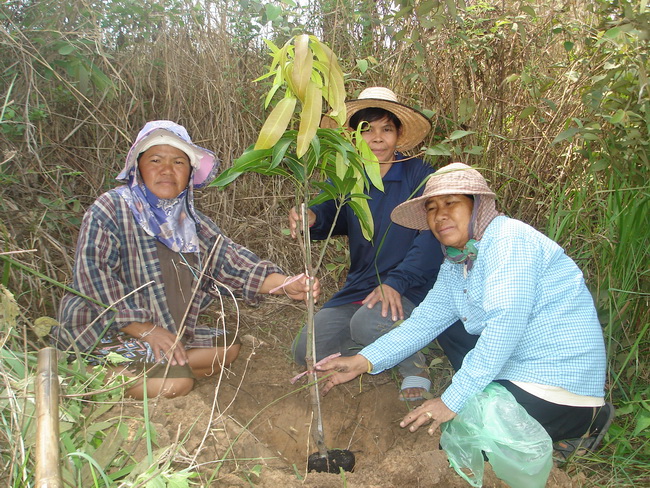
pixel 163 343
pixel 298 289
pixel 295 287
pixel 342 369
pixel 391 301
pixel 434 411
pixel 295 220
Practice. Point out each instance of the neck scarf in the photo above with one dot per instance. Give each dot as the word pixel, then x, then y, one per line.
pixel 483 212
pixel 172 221
pixel 469 252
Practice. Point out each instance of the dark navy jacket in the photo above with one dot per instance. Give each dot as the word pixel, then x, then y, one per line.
pixel 407 260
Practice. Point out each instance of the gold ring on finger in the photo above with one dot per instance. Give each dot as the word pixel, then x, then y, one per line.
pixel 428 414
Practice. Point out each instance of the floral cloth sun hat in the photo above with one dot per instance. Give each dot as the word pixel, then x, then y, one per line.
pixel 165 132
pixel 415 125
pixel 173 221
pixel 453 179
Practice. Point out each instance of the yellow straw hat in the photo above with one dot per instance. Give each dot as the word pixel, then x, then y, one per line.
pixel 415 125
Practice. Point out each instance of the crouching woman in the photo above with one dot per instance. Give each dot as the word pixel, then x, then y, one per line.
pixel 525 299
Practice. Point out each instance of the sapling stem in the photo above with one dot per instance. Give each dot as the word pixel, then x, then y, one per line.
pixel 310 357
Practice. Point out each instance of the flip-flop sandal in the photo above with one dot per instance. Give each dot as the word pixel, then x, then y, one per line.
pixel 564 450
pixel 415 382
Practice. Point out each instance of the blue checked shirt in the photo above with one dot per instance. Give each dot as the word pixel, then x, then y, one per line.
pixel 115 256
pixel 528 302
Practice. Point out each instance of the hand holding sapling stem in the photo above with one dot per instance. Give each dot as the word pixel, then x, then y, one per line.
pixel 295 221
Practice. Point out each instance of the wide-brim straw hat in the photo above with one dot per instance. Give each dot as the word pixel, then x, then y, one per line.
pixel 415 125
pixel 453 179
pixel 165 132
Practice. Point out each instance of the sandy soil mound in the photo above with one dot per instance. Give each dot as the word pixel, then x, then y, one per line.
pixel 253 426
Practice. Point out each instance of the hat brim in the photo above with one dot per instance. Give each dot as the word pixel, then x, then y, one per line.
pixel 415 125
pixel 411 214
pixel 453 179
pixel 204 162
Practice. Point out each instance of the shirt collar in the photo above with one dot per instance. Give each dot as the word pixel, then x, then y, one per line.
pixel 396 170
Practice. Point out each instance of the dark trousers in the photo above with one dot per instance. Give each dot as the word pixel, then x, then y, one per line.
pixel 560 421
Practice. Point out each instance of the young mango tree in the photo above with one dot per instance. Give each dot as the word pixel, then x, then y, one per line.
pixel 323 164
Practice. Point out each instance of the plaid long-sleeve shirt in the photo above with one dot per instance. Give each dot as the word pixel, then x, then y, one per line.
pixel 528 301
pixel 115 256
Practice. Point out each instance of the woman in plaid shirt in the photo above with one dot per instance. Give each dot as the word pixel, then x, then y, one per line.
pixel 147 263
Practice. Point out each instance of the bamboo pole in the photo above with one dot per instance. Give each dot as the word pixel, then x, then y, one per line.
pixel 48 469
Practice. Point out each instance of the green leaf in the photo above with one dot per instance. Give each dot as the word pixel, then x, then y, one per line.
pixel 475 150
pixel 276 123
pixel 361 209
pixel 341 165
pixel 451 8
pixel 362 65
pixel 458 134
pixel 280 150
pixel 466 108
pixel 566 134
pixel 612 33
pixel 369 160
pixel 527 112
pixel 528 10
pixel 256 470
pixel 309 118
pixel 600 165
pixel 588 136
pixel 618 117
pixel 67 49
pixel 272 11
pixel 438 150
pixel 642 423
pixel 225 178
pixel 329 190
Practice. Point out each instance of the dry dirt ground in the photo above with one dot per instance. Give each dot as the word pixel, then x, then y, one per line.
pixel 252 428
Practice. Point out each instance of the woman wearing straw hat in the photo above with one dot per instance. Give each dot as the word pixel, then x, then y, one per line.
pixel 391 274
pixel 539 334
pixel 147 263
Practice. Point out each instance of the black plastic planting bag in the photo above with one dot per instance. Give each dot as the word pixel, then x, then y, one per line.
pixel 516 445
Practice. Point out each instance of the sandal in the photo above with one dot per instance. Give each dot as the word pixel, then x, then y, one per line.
pixel 415 382
pixel 566 449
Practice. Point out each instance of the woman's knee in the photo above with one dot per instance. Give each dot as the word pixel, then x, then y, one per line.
pixel 232 353
pixel 208 362
pixel 367 324
pixel 165 387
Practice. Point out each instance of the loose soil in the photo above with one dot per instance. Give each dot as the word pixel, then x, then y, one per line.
pixel 252 426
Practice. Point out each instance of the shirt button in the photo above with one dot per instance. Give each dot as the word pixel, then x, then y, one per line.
pixel 465 290
pixel 464 319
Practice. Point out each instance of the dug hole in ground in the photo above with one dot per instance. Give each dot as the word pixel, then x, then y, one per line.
pixel 259 423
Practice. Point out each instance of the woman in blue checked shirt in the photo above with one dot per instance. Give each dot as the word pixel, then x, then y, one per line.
pixel 147 263
pixel 525 299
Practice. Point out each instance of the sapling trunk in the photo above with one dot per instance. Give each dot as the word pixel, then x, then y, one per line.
pixel 310 356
